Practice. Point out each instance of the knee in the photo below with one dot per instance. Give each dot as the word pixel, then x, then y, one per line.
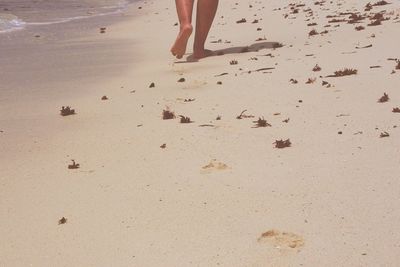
pixel 187 27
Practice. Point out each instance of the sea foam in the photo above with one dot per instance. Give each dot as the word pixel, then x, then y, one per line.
pixel 9 22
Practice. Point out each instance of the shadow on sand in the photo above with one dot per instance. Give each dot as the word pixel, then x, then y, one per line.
pixel 237 50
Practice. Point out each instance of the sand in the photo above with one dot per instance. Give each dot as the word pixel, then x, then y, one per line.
pixel 216 191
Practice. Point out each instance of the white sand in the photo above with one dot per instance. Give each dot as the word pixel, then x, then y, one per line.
pixel 328 200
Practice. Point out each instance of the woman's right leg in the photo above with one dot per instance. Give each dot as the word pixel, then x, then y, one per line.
pixel 184 9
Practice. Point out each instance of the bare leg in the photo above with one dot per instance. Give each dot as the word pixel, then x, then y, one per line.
pixel 184 9
pixel 206 10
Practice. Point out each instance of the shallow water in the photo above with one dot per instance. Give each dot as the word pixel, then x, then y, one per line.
pixel 16 14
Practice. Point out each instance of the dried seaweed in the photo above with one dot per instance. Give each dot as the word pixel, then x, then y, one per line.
pixel 152 85
pixel 312 33
pixel 263 69
pixel 185 119
pixel 73 165
pixel 293 81
pixel 244 116
pixel 66 111
pixel 344 72
pixel 261 122
pixel 233 62
pixel 316 68
pixel 375 23
pixel 63 220
pixel 167 114
pixel 384 98
pixel 222 74
pixel 325 83
pixel 282 143
pixel 398 65
pixel 163 146
pixel 261 39
pixel 241 21
pixel 311 80
pixel 362 47
pixel 396 110
pixel 181 80
pixel 384 134
pixel 337 20
pixel 354 18
pixel 104 97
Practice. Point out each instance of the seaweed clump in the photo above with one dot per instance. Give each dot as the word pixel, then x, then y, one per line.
pixel 74 165
pixel 344 72
pixel 167 114
pixel 63 220
pixel 384 98
pixel 282 143
pixel 261 122
pixel 311 80
pixel 384 134
pixel 66 111
pixel 244 116
pixel 185 119
pixel 317 68
pixel 312 33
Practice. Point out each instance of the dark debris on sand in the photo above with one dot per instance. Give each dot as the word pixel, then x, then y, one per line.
pixel 168 115
pixel 384 134
pixel 66 111
pixel 261 122
pixel 244 116
pixel 316 68
pixel 384 98
pixel 344 72
pixel 63 220
pixel 185 119
pixel 282 143
pixel 312 33
pixel 74 165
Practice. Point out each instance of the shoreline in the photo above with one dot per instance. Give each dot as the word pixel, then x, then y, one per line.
pixel 19 19
pixel 217 191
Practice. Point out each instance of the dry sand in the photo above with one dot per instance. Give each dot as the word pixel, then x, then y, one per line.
pixel 154 192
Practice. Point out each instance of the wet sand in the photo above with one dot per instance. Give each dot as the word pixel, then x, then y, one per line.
pixel 289 159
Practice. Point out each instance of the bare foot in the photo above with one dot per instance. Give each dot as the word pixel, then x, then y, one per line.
pixel 198 54
pixel 179 47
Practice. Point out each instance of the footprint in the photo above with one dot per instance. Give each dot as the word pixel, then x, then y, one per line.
pixel 195 84
pixel 214 165
pixel 282 240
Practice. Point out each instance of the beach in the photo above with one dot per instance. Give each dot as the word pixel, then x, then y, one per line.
pixel 281 149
